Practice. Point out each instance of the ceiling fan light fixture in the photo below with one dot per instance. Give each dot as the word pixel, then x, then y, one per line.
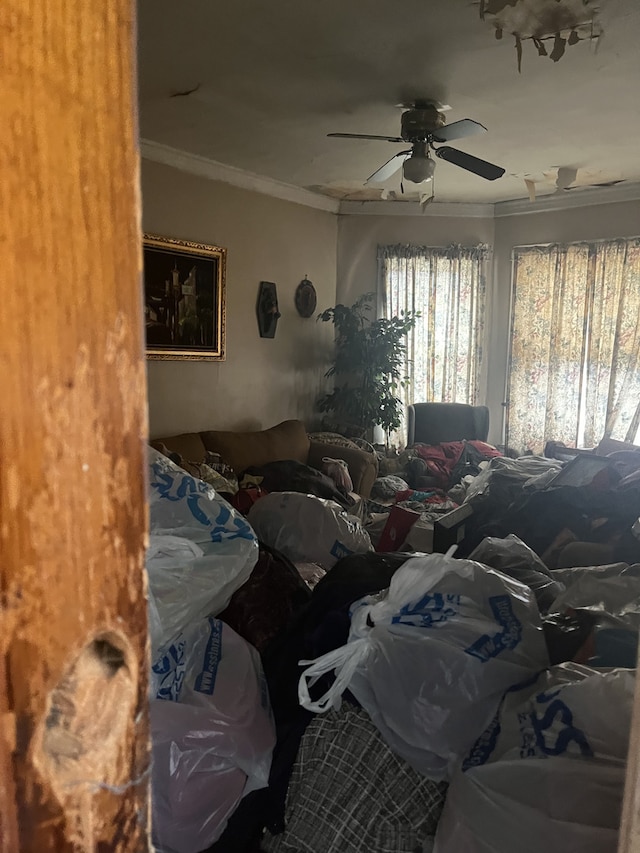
pixel 418 169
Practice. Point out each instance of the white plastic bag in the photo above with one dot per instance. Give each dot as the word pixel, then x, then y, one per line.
pixel 430 659
pixel 212 734
pixel 514 557
pixel 200 550
pixel 526 472
pixel 569 710
pixel 338 470
pixel 535 805
pixel 613 589
pixel 307 529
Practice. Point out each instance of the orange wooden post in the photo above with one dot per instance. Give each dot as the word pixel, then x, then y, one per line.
pixel 74 752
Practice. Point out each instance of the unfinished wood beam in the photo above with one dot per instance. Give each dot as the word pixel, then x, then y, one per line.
pixel 74 753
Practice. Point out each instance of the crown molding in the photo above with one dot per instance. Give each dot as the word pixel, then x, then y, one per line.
pixel 214 171
pixel 408 208
pixel 587 197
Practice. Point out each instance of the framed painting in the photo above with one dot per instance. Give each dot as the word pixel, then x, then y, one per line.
pixel 184 299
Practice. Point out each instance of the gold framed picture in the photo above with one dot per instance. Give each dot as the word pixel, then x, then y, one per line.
pixel 184 299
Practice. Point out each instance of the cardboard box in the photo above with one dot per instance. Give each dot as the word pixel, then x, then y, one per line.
pixel 451 528
pixel 395 531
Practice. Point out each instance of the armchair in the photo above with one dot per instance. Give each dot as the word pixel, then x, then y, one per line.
pixel 434 423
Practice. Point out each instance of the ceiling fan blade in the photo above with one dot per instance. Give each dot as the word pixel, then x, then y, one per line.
pixel 458 129
pixel 470 163
pixel 366 136
pixel 389 168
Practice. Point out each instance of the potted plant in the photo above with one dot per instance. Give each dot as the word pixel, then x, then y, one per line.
pixel 367 369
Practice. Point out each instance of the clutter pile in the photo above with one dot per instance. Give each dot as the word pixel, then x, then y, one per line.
pixel 312 693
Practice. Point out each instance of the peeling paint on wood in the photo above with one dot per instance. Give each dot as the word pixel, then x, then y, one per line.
pixel 74 753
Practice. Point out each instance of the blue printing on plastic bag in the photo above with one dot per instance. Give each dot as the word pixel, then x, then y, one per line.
pixel 555 710
pixel 430 610
pixel 338 550
pixel 185 487
pixel 172 667
pixel 487 646
pixel 206 681
pixel 533 743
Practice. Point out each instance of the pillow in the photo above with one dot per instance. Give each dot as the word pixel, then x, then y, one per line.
pixel 215 461
pixel 333 438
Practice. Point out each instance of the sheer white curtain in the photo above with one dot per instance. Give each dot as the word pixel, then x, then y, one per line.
pixel 574 365
pixel 444 350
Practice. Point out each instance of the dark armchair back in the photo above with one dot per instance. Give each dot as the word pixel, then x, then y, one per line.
pixel 433 423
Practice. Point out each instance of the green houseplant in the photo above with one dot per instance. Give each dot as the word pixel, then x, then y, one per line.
pixel 367 368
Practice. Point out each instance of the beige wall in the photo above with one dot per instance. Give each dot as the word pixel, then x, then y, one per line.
pixel 263 381
pixel 598 222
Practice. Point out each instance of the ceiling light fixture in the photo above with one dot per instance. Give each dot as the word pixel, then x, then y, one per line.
pixel 419 167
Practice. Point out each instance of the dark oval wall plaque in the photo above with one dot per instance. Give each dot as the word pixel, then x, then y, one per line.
pixel 306 299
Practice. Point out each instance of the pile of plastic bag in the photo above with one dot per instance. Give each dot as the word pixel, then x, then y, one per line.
pixel 548 773
pixel 200 550
pixel 430 658
pixel 452 665
pixel 211 724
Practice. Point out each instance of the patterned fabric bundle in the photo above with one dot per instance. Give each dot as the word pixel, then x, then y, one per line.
pixel 350 794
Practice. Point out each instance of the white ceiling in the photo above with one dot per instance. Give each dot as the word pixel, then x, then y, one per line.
pixel 273 78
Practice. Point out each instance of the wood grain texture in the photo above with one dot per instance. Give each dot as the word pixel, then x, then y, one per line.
pixel 73 637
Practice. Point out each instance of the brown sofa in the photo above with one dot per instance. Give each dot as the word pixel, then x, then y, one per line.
pixel 287 440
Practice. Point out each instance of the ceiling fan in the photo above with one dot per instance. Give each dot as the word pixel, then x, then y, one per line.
pixel 422 125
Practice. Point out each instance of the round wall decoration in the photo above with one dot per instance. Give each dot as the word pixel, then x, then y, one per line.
pixel 306 299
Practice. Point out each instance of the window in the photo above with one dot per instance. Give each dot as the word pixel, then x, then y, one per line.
pixel 444 350
pixel 574 364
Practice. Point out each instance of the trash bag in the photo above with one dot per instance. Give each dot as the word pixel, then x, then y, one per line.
pixel 592 637
pixel 430 658
pixel 307 529
pixel 200 550
pixel 613 589
pixel 212 734
pixel 338 470
pixel 513 557
pixel 504 478
pixel 552 805
pixel 568 710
